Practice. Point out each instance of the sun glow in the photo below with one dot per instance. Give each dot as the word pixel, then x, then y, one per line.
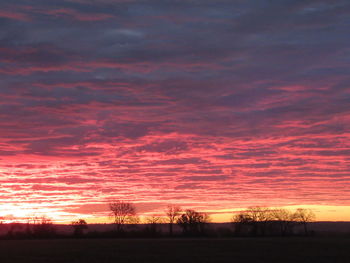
pixel 24 212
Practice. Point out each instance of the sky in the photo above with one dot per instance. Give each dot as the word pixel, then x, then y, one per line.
pixel 211 105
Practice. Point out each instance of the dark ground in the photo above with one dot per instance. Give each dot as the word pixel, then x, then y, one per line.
pixel 252 250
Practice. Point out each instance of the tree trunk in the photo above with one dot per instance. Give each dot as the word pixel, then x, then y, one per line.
pixel 171 229
pixel 305 229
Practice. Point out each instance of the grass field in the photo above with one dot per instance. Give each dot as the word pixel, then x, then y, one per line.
pixel 266 250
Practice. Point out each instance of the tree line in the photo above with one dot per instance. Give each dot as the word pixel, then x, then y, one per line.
pixel 262 221
pixel 255 221
pixel 190 221
pixel 175 221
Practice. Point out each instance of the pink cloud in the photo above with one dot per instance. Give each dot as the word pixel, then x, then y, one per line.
pixel 14 15
pixel 66 12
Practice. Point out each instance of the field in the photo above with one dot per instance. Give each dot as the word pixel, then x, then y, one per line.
pixel 250 250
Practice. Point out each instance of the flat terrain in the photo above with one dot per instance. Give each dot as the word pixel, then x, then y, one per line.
pixel 250 250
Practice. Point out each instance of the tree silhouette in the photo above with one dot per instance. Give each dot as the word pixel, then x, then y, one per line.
pixel 153 225
pixel 259 220
pixel 79 226
pixel 304 216
pixel 242 222
pixel 192 222
pixel 43 227
pixel 122 213
pixel 285 219
pixel 260 216
pixel 172 213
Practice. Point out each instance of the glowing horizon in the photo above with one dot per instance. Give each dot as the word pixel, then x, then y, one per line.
pixel 211 107
pixel 322 213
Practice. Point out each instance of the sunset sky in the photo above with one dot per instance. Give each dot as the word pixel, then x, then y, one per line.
pixel 212 105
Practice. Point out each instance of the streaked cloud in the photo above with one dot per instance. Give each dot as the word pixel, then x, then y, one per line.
pixel 209 105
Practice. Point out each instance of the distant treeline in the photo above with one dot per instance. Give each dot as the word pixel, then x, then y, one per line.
pixel 176 222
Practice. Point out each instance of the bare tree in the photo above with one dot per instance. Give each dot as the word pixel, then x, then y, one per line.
pixel 193 222
pixel 172 213
pixel 79 226
pixel 260 216
pixel 241 222
pixel 304 216
pixel 122 213
pixel 285 220
pixel 153 224
pixel 253 221
pixel 259 213
pixel 43 227
pixel 154 220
